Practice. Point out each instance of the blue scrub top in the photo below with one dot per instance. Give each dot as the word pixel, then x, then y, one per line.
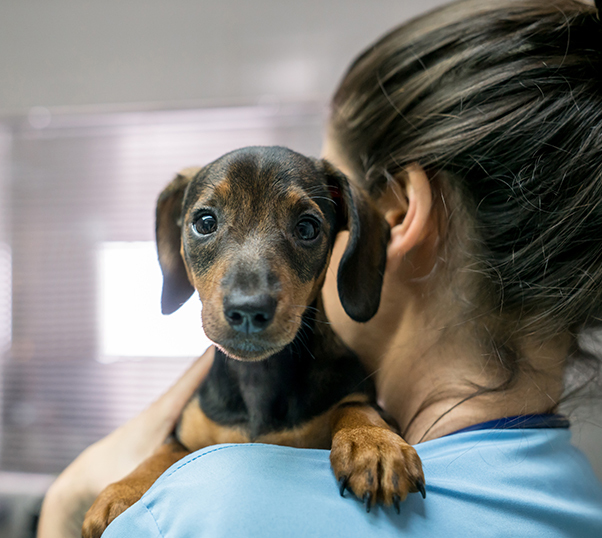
pixel 489 482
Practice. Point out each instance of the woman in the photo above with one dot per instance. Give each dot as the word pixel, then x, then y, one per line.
pixel 477 128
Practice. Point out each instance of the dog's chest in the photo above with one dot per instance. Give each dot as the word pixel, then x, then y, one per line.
pixel 281 393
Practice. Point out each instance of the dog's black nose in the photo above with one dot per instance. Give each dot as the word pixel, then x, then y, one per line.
pixel 249 313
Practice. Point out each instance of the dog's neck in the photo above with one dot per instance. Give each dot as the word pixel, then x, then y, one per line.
pixel 292 386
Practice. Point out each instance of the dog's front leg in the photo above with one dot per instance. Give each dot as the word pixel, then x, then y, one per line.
pixel 370 459
pixel 117 497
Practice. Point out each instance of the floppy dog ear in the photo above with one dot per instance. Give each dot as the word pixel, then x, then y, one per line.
pixel 177 289
pixel 362 267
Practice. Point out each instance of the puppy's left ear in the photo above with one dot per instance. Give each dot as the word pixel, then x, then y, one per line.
pixel 362 267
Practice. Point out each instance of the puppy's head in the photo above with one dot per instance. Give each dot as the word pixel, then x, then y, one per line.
pixel 252 232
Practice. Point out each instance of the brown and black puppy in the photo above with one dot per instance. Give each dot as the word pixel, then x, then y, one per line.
pixel 252 233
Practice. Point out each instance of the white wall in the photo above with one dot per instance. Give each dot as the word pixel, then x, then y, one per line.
pixel 82 52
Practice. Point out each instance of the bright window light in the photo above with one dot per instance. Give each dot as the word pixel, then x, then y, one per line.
pixel 130 319
pixel 5 297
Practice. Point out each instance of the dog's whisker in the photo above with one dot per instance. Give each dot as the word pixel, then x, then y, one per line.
pixel 302 323
pixel 316 188
pixel 323 198
pixel 300 341
pixel 305 307
pixel 320 321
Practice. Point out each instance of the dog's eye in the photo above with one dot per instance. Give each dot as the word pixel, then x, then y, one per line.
pixel 307 229
pixel 206 224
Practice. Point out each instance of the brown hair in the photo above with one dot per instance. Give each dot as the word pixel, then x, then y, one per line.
pixel 502 101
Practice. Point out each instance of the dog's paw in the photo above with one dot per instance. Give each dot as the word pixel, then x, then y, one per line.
pixel 377 465
pixel 112 501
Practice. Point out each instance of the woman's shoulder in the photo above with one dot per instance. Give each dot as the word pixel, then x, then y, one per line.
pixel 509 482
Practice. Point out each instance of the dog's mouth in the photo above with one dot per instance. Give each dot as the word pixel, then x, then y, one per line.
pixel 246 350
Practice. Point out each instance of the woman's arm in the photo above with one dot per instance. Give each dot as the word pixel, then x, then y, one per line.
pixel 115 456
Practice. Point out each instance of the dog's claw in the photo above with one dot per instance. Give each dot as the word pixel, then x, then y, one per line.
pixel 342 485
pixel 367 499
pixel 420 486
pixel 396 501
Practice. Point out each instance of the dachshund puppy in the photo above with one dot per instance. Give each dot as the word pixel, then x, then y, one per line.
pixel 252 233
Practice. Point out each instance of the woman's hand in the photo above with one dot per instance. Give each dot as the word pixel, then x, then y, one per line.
pixel 115 456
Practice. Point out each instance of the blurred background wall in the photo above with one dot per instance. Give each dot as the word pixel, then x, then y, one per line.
pixel 69 52
pixel 100 102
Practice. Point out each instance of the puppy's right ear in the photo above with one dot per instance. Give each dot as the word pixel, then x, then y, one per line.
pixel 177 289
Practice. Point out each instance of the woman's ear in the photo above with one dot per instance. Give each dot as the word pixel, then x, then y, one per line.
pixel 407 205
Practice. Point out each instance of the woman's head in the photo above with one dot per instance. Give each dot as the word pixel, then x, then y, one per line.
pixel 501 104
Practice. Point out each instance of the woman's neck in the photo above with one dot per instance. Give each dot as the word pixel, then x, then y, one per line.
pixel 436 381
pixel 428 363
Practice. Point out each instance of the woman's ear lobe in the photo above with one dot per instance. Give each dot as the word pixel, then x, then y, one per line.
pixel 409 210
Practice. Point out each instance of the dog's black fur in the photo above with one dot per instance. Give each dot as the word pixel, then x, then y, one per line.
pixel 284 391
